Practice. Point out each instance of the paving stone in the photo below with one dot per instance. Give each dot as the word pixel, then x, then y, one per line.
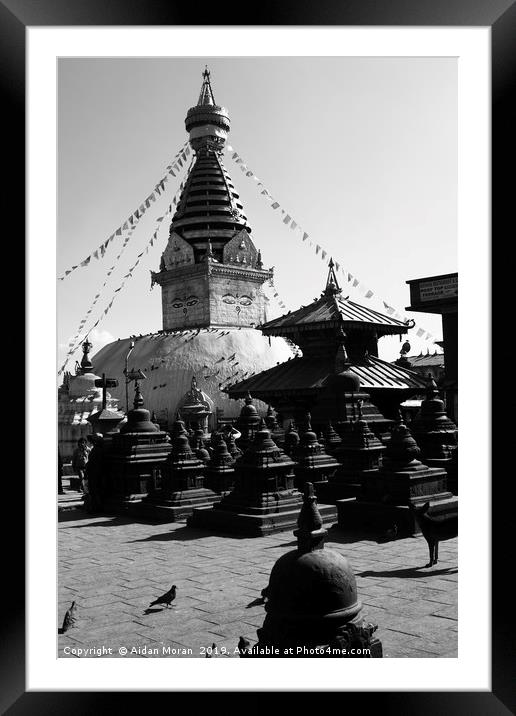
pixel 114 568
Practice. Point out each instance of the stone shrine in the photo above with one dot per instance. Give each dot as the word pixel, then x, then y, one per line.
pixel 78 399
pixel 360 455
pixel 196 408
pixel 247 423
pixel 220 473
pixel 182 486
pixel 313 464
pixel 401 481
pixel 264 498
pixel 436 434
pixel 312 607
pixel 135 458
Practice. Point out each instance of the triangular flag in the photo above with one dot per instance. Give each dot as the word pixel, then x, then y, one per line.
pixel 369 294
pixel 305 236
pixel 274 205
pixel 420 332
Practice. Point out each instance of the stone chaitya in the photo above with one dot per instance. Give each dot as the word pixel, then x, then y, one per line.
pixel 339 343
pixel 220 472
pixel 277 432
pixel 183 483
pixel 264 498
pixel 313 464
pixel 401 481
pixel 135 458
pixel 436 434
pixel 359 455
pixel 247 423
pixel 312 607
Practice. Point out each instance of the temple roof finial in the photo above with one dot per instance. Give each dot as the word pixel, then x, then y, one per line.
pixel 310 532
pixel 138 398
pixel 86 364
pixel 206 95
pixel 332 286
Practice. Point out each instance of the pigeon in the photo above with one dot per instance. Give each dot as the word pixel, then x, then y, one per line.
pixel 243 645
pixel 69 619
pixel 166 598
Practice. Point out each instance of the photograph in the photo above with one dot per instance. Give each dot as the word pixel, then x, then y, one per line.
pixel 257 356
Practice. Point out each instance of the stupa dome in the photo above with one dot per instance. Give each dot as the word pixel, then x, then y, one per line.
pixel 318 584
pixel 84 385
pixel 216 357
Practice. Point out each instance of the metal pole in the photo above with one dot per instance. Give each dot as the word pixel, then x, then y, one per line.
pixel 126 380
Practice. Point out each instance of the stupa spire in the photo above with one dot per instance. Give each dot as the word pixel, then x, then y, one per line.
pixel 206 95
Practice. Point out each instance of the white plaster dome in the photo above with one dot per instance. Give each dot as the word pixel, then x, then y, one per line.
pixel 83 386
pixel 215 357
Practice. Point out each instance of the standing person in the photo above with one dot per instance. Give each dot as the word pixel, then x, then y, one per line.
pixel 79 462
pixel 95 474
pixel 60 490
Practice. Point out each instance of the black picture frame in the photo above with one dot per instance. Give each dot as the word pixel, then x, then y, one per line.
pixel 500 16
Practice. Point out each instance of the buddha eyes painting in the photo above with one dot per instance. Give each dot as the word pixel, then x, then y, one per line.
pixel 236 299
pixel 185 302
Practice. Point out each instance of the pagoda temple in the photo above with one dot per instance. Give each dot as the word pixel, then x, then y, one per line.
pixel 339 365
pixel 211 276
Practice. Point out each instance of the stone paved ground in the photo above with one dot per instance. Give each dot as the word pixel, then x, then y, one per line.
pixel 114 567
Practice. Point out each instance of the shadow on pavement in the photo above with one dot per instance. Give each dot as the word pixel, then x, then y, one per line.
pixel 407 572
pixel 100 519
pixel 185 534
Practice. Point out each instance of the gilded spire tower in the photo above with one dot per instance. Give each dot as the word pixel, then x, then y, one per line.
pixel 211 273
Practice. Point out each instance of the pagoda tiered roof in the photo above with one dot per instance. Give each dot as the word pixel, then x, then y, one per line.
pixel 333 310
pixel 311 373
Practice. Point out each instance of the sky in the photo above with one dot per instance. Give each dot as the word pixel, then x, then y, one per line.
pixel 361 152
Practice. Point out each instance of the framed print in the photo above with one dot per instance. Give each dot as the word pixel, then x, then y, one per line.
pixel 254 232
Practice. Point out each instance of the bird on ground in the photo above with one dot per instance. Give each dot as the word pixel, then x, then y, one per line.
pixel 243 645
pixel 69 618
pixel 166 598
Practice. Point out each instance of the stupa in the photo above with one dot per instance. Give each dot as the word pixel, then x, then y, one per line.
pixel 436 434
pixel 220 473
pixel 78 399
pixel 359 455
pixel 211 277
pixel 312 607
pixel 402 480
pixel 339 365
pixel 313 464
pixel 183 483
pixel 264 498
pixel 134 459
